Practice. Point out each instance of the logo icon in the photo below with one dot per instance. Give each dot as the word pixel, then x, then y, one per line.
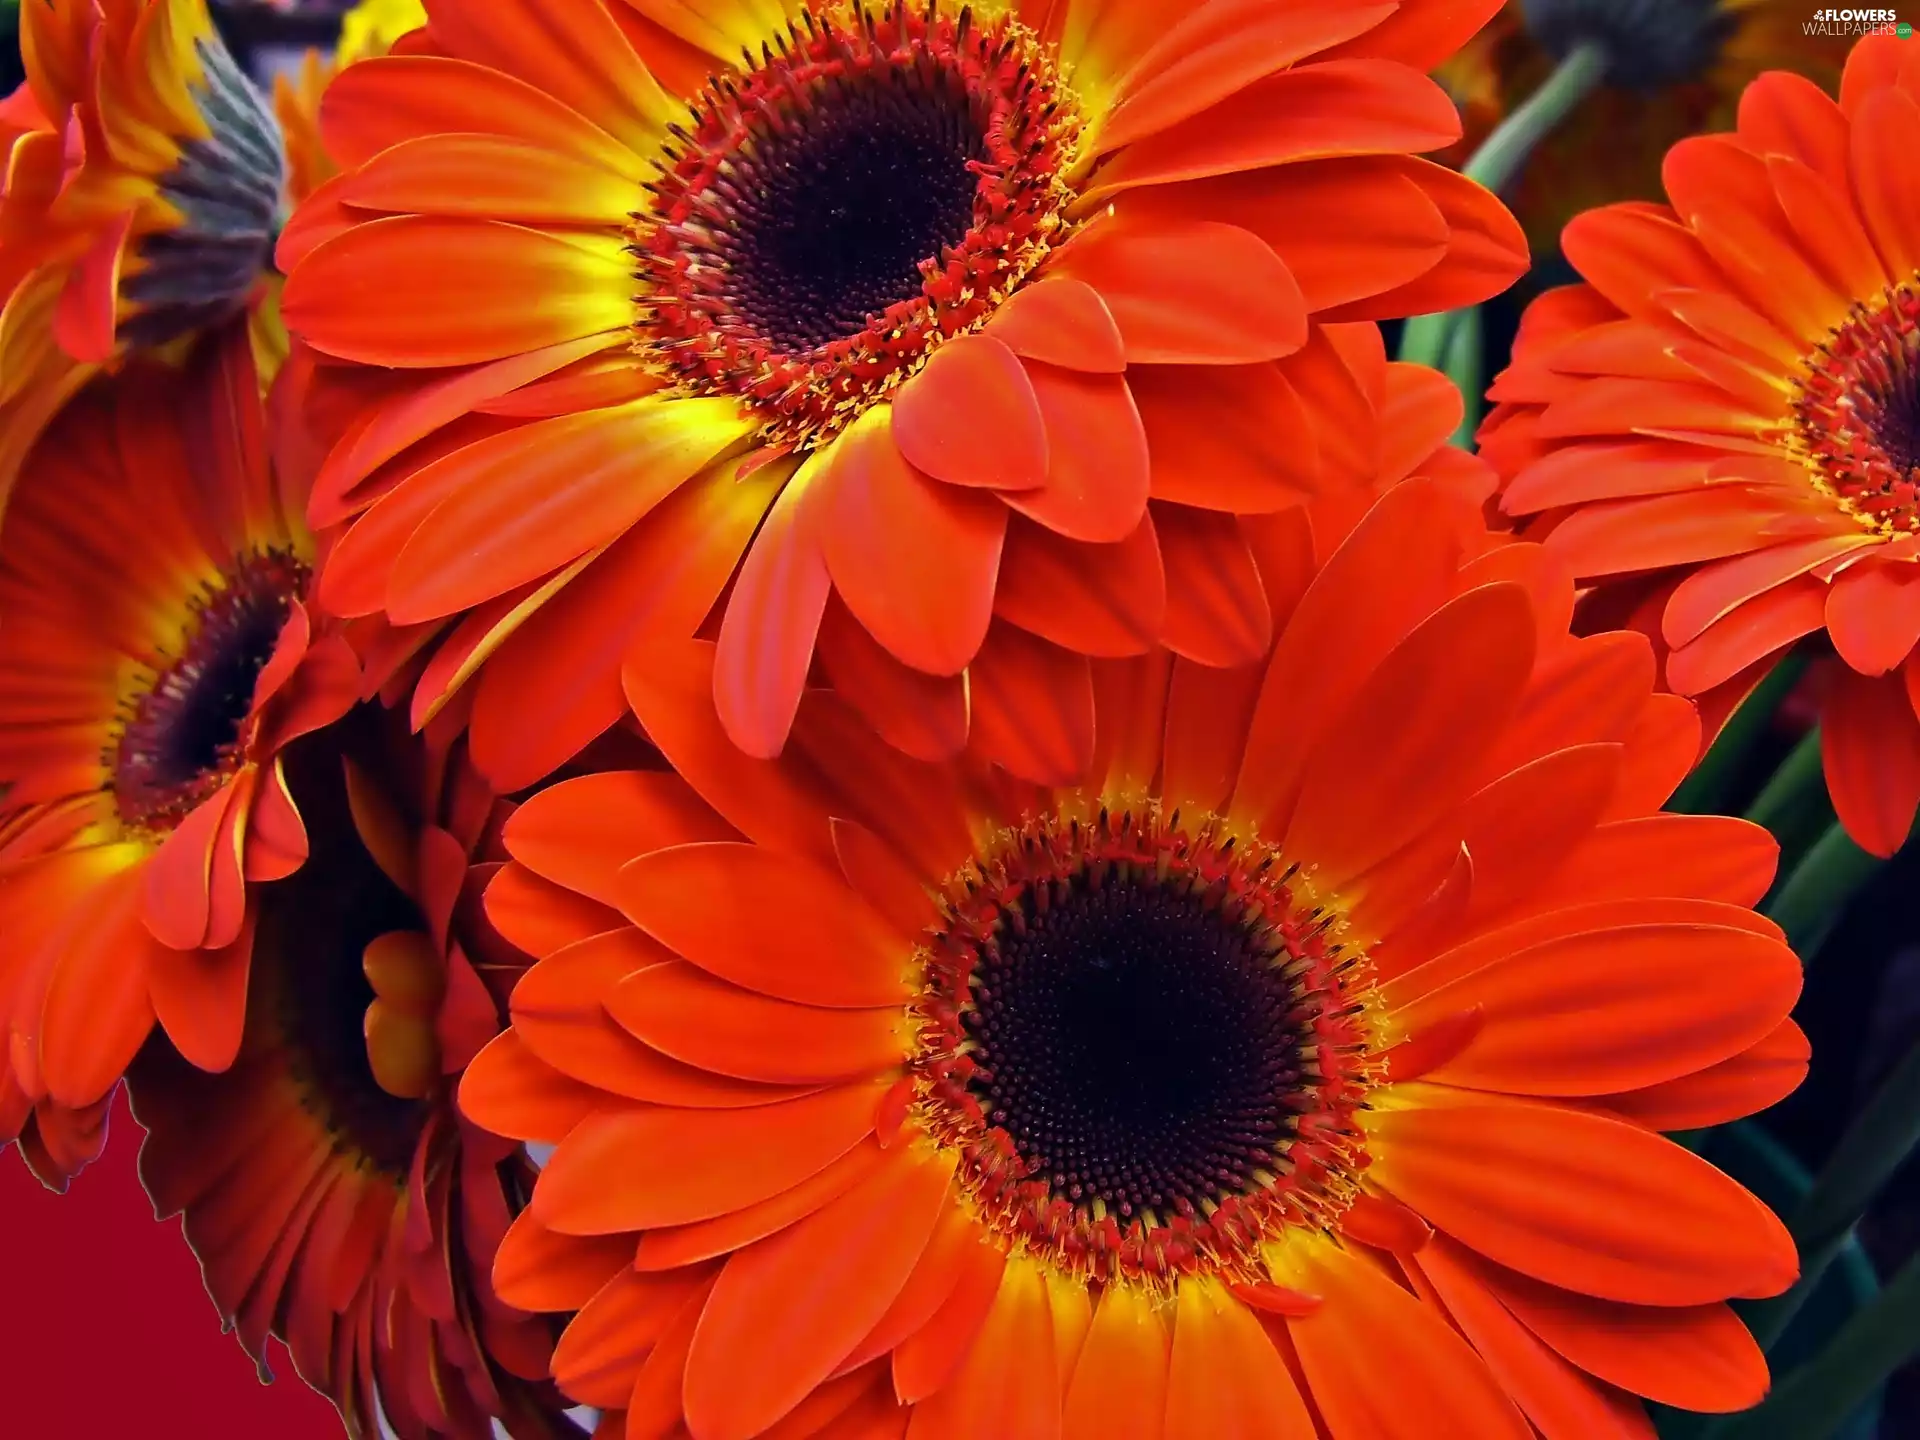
pixel 1903 30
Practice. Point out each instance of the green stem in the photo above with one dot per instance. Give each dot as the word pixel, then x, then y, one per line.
pixel 1465 366
pixel 1795 786
pixel 1427 338
pixel 1818 890
pixel 1704 792
pixel 1815 1400
pixel 1874 1146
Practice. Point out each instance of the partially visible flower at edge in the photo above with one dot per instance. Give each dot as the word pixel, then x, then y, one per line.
pixel 156 656
pixel 1610 148
pixel 1719 425
pixel 334 1195
pixel 144 185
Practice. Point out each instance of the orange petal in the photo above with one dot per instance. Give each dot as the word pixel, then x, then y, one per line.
pixel 1106 600
pixel 921 715
pixel 1697 1357
pixel 914 560
pixel 539 497
pixel 1607 1209
pixel 682 1011
pixel 772 620
pixel 1118 1388
pixel 786 1311
pixel 508 1090
pixel 1226 1379
pixel 1217 611
pixel 536 1269
pixel 1309 112
pixel 1032 707
pixel 1098 469
pixel 1376 781
pixel 1562 1402
pixel 1233 438
pixel 200 999
pixel 805 937
pixel 1192 293
pixel 1758 1077
pixel 925 1361
pixel 672 1246
pixel 1062 322
pixel 1870 749
pixel 468 285
pixel 970 417
pixel 1370 1327
pixel 1873 615
pixel 1616 1009
pixel 1009 1384
pixel 637 1169
pixel 579 832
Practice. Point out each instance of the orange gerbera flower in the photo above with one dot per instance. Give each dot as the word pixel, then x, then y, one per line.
pixel 155 655
pixel 1321 1034
pixel 1679 69
pixel 334 1195
pixel 144 180
pixel 1729 404
pixel 912 298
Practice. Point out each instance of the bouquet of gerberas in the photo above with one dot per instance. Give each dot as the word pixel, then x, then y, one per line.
pixel 767 718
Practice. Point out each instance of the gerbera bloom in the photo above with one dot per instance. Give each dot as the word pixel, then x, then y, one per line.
pixel 143 181
pixel 332 1192
pixel 156 654
pixel 1300 1072
pixel 1727 411
pixel 1676 68
pixel 925 310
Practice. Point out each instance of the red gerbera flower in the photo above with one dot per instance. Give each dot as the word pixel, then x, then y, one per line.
pixel 335 1197
pixel 915 325
pixel 144 176
pixel 156 654
pixel 1298 1071
pixel 1727 411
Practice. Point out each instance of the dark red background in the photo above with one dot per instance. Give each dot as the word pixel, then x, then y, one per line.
pixel 105 1329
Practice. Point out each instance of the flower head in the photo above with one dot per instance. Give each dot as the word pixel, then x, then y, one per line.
pixel 1675 68
pixel 335 1197
pixel 864 332
pixel 1322 1031
pixel 1727 411
pixel 145 178
pixel 156 656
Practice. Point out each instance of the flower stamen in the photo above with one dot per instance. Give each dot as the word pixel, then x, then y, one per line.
pixel 1147 1047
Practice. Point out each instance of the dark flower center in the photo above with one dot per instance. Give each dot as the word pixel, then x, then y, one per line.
pixel 1857 412
pixel 183 735
pixel 1144 1046
pixel 313 933
pixel 1649 44
pixel 827 218
pixel 1135 1045
pixel 836 216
